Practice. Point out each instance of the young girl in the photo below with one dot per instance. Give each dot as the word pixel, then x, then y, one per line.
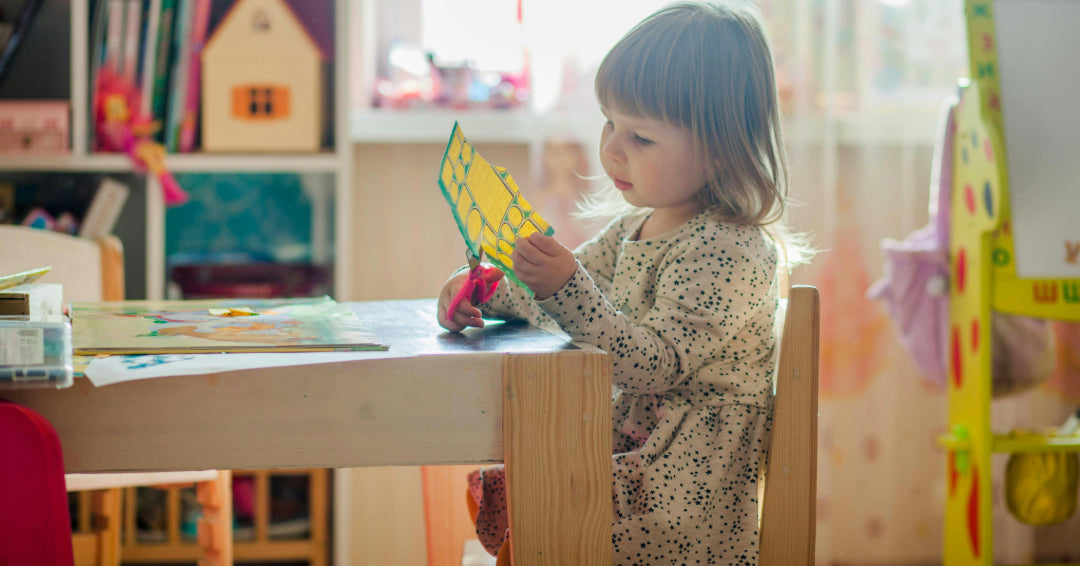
pixel 681 290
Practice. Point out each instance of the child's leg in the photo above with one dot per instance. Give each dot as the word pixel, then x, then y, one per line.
pixel 487 506
pixel 503 558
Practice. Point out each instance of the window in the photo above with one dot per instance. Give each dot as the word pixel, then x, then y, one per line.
pixel 261 102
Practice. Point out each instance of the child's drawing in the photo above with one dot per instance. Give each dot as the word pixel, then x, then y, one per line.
pixel 145 327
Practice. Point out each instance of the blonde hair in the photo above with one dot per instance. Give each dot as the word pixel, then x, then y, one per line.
pixel 709 67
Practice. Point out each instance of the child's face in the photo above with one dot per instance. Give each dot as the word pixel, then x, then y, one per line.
pixel 654 164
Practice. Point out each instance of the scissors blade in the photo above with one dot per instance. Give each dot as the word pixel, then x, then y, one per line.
pixel 474 259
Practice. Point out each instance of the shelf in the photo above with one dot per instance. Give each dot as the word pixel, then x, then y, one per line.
pixel 1007 443
pixel 178 163
pixel 434 125
pixel 882 127
pixel 1012 444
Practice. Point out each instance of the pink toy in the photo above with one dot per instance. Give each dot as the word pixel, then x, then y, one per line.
pixel 118 128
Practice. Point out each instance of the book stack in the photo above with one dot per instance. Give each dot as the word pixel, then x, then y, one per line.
pixel 34 300
pixel 35 336
pixel 152 44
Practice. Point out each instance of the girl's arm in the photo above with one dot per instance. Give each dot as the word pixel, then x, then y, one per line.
pixel 705 295
pixel 597 257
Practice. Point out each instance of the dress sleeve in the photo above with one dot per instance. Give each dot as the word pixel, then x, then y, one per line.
pixel 704 295
pixel 597 256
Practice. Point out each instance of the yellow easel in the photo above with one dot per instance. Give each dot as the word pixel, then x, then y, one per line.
pixel 984 277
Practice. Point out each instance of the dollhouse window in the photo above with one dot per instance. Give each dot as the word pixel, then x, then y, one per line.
pixel 261 102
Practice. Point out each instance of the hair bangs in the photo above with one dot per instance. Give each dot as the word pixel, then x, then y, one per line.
pixel 645 75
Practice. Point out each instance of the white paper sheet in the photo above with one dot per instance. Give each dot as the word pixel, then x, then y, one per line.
pixel 118 369
pixel 1037 54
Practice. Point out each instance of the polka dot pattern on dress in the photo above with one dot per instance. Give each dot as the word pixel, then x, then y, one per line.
pixel 688 317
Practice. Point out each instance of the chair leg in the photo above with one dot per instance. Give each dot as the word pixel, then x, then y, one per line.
pixel 105 520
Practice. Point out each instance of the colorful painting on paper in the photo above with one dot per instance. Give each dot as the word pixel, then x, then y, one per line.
pixel 172 327
pixel 486 203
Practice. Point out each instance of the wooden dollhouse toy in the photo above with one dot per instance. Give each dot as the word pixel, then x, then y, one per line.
pixel 1013 234
pixel 262 82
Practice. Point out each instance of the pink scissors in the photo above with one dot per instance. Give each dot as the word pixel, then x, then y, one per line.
pixel 481 284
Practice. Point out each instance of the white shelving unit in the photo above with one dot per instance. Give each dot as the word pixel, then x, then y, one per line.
pixel 521 126
pixel 336 162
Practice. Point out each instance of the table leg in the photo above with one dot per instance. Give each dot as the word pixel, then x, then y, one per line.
pixel 215 526
pixel 557 436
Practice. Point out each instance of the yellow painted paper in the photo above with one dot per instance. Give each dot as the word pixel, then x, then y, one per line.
pixel 486 203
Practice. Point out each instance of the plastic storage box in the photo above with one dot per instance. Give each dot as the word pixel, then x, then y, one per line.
pixel 35 352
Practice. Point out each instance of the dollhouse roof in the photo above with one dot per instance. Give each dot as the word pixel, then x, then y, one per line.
pixel 307 15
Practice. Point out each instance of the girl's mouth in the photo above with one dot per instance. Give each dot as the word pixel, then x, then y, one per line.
pixel 621 185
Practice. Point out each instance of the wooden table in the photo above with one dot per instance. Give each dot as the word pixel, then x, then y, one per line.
pixel 509 392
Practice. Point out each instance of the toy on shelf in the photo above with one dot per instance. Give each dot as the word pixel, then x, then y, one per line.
pixel 120 127
pixel 418 79
pixel 262 76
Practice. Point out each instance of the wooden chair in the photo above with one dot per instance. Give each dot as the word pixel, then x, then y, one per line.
pixel 788 517
pixel 94 271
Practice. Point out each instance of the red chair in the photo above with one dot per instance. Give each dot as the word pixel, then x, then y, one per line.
pixel 35 527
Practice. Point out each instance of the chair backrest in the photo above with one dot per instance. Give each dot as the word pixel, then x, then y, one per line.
pixel 34 521
pixel 89 270
pixel 788 519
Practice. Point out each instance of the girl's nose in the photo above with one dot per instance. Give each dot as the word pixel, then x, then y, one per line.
pixel 611 149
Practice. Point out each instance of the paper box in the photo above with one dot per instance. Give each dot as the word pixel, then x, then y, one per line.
pixel 33 300
pixel 34 127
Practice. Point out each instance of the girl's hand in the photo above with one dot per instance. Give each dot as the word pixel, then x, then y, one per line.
pixel 465 315
pixel 543 263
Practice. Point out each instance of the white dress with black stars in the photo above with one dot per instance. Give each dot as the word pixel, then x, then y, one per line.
pixel 688 318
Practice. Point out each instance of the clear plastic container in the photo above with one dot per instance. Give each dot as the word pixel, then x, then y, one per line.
pixel 35 352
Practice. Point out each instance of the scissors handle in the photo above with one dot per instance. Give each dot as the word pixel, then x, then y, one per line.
pixel 479 287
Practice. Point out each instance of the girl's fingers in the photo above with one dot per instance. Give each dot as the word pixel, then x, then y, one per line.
pixel 468 315
pixel 527 272
pixel 525 250
pixel 468 310
pixel 449 323
pixel 464 316
pixel 468 320
pixel 545 244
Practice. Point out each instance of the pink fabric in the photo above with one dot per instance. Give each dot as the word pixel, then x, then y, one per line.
pixel 915 292
pixel 487 487
pixel 916 283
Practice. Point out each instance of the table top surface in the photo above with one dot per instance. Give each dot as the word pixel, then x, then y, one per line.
pixel 409 327
pixel 434 397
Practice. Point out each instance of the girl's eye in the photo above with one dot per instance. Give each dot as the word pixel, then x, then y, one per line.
pixel 641 140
